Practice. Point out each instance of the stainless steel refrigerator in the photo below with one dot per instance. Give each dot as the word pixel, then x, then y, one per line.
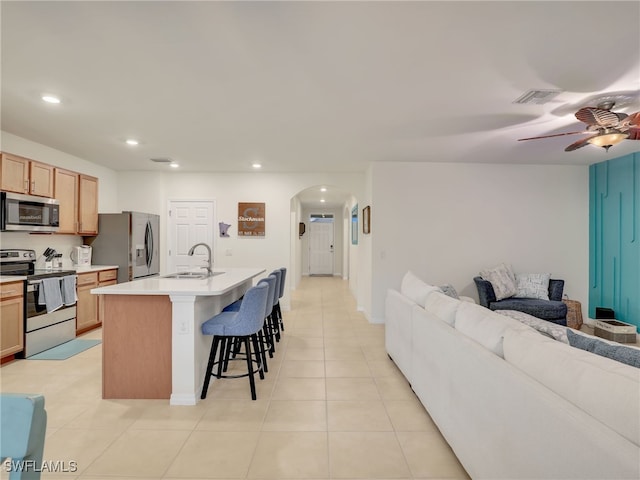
pixel 129 240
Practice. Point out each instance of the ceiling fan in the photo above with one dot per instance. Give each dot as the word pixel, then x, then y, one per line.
pixel 606 128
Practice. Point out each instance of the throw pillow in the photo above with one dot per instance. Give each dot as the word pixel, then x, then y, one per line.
pixel 502 279
pixel 620 353
pixel 550 329
pixel 449 291
pixel 533 285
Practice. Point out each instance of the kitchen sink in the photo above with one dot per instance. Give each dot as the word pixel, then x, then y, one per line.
pixel 192 275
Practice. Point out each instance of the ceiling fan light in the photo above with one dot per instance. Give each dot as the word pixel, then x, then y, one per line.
pixel 607 140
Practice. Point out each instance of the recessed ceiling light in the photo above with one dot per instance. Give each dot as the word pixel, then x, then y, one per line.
pixel 50 98
pixel 322 200
pixel 174 165
pixel 132 141
pixel 323 189
pixel 256 165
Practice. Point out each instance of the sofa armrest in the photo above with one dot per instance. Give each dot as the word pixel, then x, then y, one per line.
pixel 556 287
pixel 486 295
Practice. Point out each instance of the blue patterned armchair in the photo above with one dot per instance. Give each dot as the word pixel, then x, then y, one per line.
pixel 553 310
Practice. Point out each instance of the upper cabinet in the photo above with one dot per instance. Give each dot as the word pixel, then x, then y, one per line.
pixel 21 175
pixel 78 197
pixel 65 190
pixel 41 178
pixel 14 173
pixel 88 205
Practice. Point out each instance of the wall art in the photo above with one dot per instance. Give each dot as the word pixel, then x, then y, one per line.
pixel 251 219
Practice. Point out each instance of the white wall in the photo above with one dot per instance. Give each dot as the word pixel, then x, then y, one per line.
pixel 107 193
pixel 295 256
pixel 448 221
pixel 353 254
pixel 365 252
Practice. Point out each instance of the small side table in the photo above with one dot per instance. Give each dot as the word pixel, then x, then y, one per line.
pixel 574 313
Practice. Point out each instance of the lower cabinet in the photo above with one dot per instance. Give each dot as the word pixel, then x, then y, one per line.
pixel 89 311
pixel 87 306
pixel 11 318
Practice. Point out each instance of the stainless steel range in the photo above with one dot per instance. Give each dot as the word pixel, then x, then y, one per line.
pixel 46 322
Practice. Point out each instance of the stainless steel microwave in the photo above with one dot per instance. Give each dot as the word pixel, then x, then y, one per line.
pixel 27 213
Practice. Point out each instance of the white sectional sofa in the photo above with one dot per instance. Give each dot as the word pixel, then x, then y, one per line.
pixel 511 402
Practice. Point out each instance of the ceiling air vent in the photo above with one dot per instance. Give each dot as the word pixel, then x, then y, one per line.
pixel 161 160
pixel 537 97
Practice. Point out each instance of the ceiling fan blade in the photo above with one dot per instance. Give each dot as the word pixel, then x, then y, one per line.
pixel 579 144
pixel 551 136
pixel 633 119
pixel 634 134
pixel 597 116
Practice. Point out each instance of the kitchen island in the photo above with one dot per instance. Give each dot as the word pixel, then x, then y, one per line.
pixel 152 345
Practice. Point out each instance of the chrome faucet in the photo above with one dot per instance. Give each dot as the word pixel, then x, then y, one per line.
pixel 209 266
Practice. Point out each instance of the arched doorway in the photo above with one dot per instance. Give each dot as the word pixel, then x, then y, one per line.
pixel 312 205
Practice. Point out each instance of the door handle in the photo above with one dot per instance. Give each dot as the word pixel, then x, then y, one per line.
pixel 148 240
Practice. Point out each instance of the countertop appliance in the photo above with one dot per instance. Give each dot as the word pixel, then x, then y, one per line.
pixel 81 256
pixel 43 330
pixel 129 240
pixel 28 213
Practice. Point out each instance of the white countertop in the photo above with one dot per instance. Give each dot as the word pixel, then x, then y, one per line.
pixel 216 285
pixel 12 278
pixel 94 268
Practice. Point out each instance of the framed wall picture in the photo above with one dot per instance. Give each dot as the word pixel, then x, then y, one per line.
pixel 354 225
pixel 251 219
pixel 366 219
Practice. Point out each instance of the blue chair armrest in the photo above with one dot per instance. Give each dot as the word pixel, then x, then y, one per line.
pixel 556 287
pixel 486 295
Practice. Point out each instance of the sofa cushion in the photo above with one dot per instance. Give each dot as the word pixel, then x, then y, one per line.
pixel 502 279
pixel 442 306
pixel 552 330
pixel 533 285
pixel 415 288
pixel 545 309
pixel 484 326
pixel 607 390
pixel 619 353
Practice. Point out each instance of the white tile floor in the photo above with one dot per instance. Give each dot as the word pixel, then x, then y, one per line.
pixel 332 406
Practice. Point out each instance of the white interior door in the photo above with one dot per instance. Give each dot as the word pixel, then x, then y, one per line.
pixel 321 248
pixel 190 222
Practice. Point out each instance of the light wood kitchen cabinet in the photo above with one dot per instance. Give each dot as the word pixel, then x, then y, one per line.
pixel 105 277
pixel 14 174
pixel 88 309
pixel 22 175
pixel 87 306
pixel 11 318
pixel 78 197
pixel 41 179
pixel 65 189
pixel 87 205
